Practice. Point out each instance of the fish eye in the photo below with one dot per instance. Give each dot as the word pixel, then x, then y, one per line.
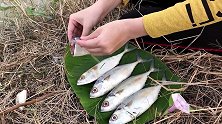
pixel 105 104
pixel 94 90
pixel 114 117
pixel 82 77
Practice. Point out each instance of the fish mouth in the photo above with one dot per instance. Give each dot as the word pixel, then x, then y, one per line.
pixel 94 96
pixel 81 83
pixel 104 110
pixel 91 97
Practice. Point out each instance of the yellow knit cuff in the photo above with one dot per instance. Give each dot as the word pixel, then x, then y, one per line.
pixel 125 2
pixel 148 25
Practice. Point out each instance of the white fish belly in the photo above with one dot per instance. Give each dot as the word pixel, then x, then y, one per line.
pixel 108 64
pixel 128 87
pixel 142 100
pixel 117 75
pixel 101 68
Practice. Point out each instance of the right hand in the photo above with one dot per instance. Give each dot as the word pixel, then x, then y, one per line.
pixel 82 22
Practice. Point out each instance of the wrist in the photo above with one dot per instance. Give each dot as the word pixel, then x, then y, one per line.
pixel 135 28
pixel 105 6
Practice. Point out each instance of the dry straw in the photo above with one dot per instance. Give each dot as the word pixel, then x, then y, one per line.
pixel 31 58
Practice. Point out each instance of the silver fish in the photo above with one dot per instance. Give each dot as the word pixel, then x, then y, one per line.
pixel 112 78
pixel 101 68
pixel 135 105
pixel 126 89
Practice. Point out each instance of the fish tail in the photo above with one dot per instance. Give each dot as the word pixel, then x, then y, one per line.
pixel 128 49
pixel 152 67
pixel 156 70
pixel 145 60
pixel 139 58
pixel 164 78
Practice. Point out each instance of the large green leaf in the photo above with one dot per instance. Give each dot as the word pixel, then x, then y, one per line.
pixel 75 66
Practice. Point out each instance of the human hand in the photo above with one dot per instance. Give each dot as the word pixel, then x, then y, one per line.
pixel 110 37
pixel 82 22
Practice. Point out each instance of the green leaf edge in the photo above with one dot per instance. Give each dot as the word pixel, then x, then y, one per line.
pixel 145 117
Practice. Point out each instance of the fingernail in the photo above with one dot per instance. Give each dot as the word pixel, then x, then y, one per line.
pixel 79 42
pixel 82 37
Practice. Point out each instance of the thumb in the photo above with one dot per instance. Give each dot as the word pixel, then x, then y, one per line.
pixel 93 35
pixel 90 41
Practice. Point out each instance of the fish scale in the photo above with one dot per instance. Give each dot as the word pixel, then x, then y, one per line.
pixel 125 89
pixel 135 105
pixel 101 68
pixel 116 76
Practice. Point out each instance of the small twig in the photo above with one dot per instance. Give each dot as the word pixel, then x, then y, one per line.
pixel 218 119
pixel 7 110
pixel 193 40
pixel 137 43
pixel 181 89
pixel 166 118
pixel 204 109
pixel 182 83
pixel 2 120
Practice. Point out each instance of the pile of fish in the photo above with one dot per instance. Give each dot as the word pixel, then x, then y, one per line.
pixel 127 95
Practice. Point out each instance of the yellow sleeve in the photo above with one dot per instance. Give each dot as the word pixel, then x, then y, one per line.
pixel 183 16
pixel 125 2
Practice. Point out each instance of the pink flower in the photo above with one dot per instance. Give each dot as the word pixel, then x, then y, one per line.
pixel 179 103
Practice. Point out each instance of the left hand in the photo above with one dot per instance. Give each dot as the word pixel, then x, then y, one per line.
pixel 110 37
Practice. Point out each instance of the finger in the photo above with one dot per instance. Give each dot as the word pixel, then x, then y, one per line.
pixel 89 44
pixel 93 35
pixel 73 28
pixel 92 41
pixel 97 54
pixel 95 50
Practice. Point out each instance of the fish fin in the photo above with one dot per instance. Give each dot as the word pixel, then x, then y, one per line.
pixel 119 92
pixel 111 94
pixel 145 60
pixel 164 78
pixel 152 67
pixel 156 70
pixel 107 78
pixel 127 49
pixel 129 104
pixel 139 58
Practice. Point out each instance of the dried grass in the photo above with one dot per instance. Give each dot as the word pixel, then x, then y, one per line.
pixel 31 57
